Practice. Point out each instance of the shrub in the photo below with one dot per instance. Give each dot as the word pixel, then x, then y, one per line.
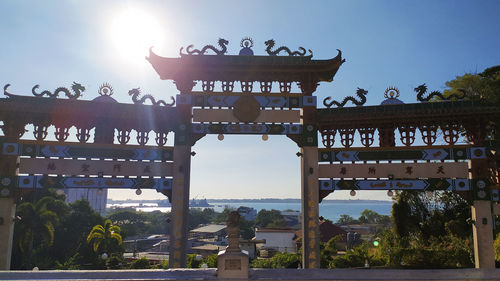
pixel 142 263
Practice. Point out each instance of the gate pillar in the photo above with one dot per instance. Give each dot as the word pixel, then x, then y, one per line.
pixel 482 229
pixel 181 177
pixel 7 213
pixel 309 180
pixel 8 165
pixel 180 206
pixel 310 208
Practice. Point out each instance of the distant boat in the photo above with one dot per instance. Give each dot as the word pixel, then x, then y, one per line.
pixel 199 203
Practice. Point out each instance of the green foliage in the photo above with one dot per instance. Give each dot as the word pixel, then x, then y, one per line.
pixel 222 217
pixel 346 219
pixel 197 217
pixel 429 232
pixel 115 261
pixel 496 247
pixel 161 265
pixel 142 263
pixel 130 222
pixel 485 85
pixel 136 223
pixel 280 260
pixel 353 258
pixel 72 234
pixel 328 250
pixel 35 232
pixel 211 260
pixel 192 262
pixel 272 218
pixel 105 238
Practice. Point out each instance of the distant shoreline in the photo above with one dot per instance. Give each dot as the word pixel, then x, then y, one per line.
pixel 265 200
pixel 294 200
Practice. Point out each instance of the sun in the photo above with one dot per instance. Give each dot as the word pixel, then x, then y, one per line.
pixel 133 31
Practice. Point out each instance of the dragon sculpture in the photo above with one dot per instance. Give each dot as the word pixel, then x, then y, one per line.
pixel 5 92
pixel 422 89
pixel 222 51
pixel 135 93
pixel 270 44
pixel 361 93
pixel 76 87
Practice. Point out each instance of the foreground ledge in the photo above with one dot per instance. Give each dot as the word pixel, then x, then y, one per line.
pixel 257 274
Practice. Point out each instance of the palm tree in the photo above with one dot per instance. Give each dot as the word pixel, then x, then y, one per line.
pixel 36 226
pixel 105 238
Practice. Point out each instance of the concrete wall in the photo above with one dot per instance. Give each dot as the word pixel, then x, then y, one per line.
pixel 259 274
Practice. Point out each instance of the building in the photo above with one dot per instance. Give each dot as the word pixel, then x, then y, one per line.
pixel 209 231
pixel 278 239
pixel 292 218
pixel 248 213
pixel 97 197
pixel 327 231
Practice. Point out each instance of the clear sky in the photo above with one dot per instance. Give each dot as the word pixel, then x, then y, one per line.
pixel 385 43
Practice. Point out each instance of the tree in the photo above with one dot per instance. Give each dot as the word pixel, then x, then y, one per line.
pixel 72 234
pixel 485 85
pixel 429 232
pixel 105 238
pixel 346 219
pixel 272 218
pixel 37 226
pixel 131 223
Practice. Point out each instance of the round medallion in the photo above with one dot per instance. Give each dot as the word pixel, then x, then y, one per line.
pixel 246 109
pixel 5 181
pixel 265 137
pixel 478 152
pixel 9 148
pixel 460 153
pixel 5 192
pixel 481 194
pixel 481 184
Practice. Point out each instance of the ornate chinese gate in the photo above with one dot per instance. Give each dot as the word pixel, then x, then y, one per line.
pixel 218 108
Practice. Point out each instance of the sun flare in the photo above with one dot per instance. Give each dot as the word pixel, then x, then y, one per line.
pixel 133 31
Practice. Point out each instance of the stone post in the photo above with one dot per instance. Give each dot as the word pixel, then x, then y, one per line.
pixel 232 263
pixel 482 229
pixel 8 170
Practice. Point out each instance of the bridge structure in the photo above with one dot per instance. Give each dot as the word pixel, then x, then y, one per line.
pixel 265 105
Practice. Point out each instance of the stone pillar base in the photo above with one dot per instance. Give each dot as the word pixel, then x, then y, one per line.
pixel 232 265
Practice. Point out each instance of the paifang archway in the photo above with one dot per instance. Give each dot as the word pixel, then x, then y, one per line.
pixel 256 109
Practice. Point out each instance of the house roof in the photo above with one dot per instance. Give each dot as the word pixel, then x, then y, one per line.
pixel 211 228
pixel 282 230
pixel 327 231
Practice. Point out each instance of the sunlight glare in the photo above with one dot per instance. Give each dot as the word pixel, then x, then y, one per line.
pixel 133 32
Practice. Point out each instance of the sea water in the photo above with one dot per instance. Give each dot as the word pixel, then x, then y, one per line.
pixel 329 209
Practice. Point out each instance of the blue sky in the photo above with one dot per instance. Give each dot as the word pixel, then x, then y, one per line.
pixel 385 43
